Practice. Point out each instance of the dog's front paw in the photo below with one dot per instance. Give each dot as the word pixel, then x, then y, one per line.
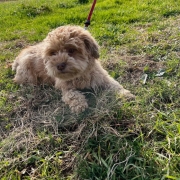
pixel 79 108
pixel 125 94
pixel 76 101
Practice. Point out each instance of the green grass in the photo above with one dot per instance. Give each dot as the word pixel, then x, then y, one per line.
pixel 139 140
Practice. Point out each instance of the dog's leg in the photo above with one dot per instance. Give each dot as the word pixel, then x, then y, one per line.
pixel 75 100
pixel 24 67
pixel 24 75
pixel 113 85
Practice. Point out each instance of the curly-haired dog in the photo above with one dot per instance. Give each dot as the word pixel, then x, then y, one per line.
pixel 69 55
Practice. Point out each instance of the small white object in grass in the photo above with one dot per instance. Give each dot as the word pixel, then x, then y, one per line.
pixel 144 78
pixel 160 73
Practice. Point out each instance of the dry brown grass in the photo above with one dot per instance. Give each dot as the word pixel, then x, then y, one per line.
pixel 40 122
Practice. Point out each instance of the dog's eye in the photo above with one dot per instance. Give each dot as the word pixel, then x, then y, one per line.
pixel 52 53
pixel 71 51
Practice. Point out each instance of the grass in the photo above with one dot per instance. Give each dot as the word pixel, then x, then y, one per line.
pixel 139 140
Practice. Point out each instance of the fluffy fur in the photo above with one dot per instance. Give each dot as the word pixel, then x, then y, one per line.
pixel 29 66
pixel 68 57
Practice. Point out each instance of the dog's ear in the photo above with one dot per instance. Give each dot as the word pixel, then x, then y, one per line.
pixel 91 46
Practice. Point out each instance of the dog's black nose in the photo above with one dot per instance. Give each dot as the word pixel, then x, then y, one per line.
pixel 61 66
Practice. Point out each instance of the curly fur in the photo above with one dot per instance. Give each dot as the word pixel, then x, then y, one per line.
pixel 29 67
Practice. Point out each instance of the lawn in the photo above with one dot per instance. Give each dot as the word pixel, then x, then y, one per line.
pixel 114 140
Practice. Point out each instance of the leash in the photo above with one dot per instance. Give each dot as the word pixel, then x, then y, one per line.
pixel 87 23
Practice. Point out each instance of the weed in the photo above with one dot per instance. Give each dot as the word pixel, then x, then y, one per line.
pixel 171 13
pixel 83 1
pixel 31 11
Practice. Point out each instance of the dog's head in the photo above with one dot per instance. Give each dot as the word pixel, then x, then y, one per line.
pixel 69 52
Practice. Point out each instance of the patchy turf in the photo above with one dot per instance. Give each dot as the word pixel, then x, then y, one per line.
pixel 139 140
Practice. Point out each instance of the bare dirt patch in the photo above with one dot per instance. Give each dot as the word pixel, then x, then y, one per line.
pixel 131 68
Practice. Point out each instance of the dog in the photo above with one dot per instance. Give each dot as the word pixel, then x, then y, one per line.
pixel 67 57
